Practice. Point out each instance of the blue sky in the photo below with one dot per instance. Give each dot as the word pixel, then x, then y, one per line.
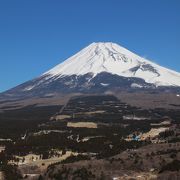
pixel 36 35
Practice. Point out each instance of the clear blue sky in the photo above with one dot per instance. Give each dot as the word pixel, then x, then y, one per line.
pixel 35 35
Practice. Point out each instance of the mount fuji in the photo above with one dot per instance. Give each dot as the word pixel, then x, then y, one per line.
pixel 98 68
pixel 114 59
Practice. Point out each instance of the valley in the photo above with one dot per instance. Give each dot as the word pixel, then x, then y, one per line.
pixel 71 140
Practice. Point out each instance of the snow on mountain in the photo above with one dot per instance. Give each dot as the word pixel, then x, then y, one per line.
pixel 112 58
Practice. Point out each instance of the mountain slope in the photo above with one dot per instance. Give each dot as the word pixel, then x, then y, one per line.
pixel 98 68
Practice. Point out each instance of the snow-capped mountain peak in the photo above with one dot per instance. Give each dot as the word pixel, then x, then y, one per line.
pixel 112 58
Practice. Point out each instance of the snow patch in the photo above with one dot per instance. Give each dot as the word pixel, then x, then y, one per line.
pixel 28 88
pixel 104 84
pixel 135 85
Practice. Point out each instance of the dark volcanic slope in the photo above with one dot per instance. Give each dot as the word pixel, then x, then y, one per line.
pixel 48 90
pixel 45 86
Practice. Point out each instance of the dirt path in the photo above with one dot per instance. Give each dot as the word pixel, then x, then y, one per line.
pixel 1 176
